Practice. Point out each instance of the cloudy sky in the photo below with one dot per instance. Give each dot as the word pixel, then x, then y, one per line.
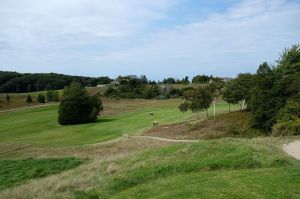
pixel 158 38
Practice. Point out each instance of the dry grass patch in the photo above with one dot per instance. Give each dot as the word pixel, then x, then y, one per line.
pixel 236 124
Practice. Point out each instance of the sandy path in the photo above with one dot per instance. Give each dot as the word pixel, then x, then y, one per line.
pixel 293 149
pixel 24 108
pixel 147 137
pixel 166 139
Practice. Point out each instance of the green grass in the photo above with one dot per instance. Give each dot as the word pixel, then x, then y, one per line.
pixel 15 172
pixel 247 184
pixel 209 169
pixel 39 126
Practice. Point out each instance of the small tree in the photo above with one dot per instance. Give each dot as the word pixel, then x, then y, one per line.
pixel 7 98
pixel 197 100
pixel 55 96
pixel 52 96
pixel 41 98
pixel 28 99
pixel 49 95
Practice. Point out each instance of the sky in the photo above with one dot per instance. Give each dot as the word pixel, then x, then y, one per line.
pixel 158 38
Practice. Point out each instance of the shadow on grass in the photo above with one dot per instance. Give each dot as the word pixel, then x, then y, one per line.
pixel 103 120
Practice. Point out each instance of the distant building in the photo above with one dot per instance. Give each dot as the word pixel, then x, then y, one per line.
pixel 115 83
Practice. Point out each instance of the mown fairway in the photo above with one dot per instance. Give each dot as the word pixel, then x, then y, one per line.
pixel 39 126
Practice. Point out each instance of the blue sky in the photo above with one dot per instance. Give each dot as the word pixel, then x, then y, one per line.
pixel 159 38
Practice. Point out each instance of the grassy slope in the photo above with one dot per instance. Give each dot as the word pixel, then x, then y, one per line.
pixel 225 168
pixel 39 126
pixel 14 172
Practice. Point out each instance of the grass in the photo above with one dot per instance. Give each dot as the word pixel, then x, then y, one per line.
pixel 140 167
pixel 199 170
pixel 15 172
pixel 39 126
pixel 249 183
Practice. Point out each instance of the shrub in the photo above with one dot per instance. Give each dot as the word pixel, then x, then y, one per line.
pixel 28 99
pixel 52 96
pixel 77 107
pixel 287 128
pixel 41 98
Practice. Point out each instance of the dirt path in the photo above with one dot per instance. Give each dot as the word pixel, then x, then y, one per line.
pixel 24 108
pixel 293 149
pixel 146 137
pixel 166 139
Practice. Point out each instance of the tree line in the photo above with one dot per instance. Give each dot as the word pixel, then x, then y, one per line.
pixel 272 94
pixel 13 82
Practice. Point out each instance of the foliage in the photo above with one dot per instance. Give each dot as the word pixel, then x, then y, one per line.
pixel 197 100
pixel 201 79
pixel 52 96
pixel 273 88
pixel 238 89
pixel 132 87
pixel 268 90
pixel 7 98
pixel 183 81
pixel 41 98
pixel 169 80
pixel 18 82
pixel 77 106
pixel 184 107
pixel 288 119
pixel 28 99
pixel 15 172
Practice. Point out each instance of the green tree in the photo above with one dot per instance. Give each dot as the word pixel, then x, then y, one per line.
pixel 184 107
pixel 199 99
pixel 52 95
pixel 274 87
pixel 215 88
pixel 238 89
pixel 41 98
pixel 7 98
pixel 77 106
pixel 55 96
pixel 28 99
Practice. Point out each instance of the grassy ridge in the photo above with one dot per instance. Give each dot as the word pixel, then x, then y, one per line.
pixel 226 159
pixel 14 172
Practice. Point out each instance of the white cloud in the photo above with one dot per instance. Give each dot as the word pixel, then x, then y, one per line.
pixel 96 37
pixel 224 44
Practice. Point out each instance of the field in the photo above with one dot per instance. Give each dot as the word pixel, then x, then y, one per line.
pixel 39 126
pixel 109 158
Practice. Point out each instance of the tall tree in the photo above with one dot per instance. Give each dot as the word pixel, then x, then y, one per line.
pixel 274 87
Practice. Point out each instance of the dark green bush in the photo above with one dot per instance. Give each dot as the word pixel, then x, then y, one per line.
pixel 77 106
